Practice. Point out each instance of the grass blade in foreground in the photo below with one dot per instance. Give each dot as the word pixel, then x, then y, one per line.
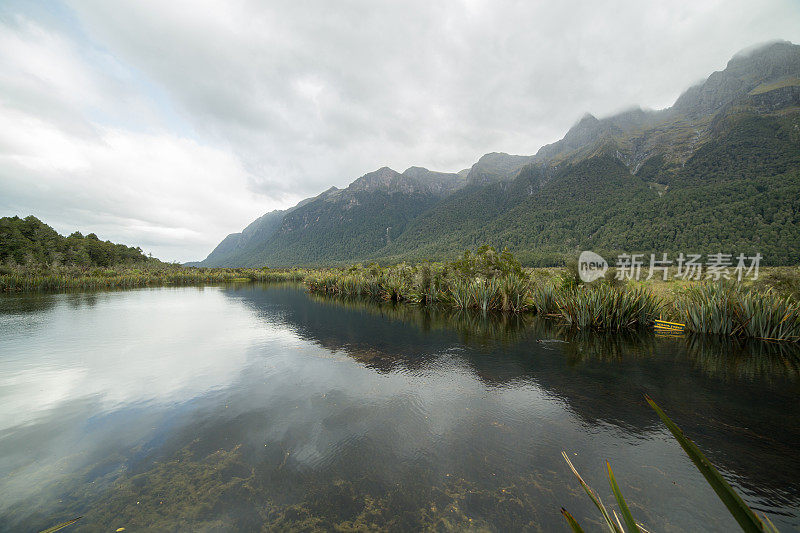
pixel 623 506
pixel 745 516
pixel 576 528
pixel 60 526
pixel 612 527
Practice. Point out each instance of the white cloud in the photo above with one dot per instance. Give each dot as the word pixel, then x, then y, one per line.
pixel 170 194
pixel 199 116
pixel 165 193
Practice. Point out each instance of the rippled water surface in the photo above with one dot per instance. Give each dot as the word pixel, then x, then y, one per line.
pixel 248 407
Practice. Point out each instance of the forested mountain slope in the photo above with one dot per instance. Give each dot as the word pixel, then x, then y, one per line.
pixel 717 172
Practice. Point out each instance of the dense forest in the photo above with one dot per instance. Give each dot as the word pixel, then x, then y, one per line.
pixel 29 241
pixel 739 193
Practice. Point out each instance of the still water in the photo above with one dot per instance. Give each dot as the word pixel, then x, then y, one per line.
pixel 250 407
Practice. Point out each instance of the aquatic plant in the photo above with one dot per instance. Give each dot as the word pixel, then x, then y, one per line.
pixel 489 281
pixel 738 509
pixel 514 293
pixel 728 309
pixel 484 293
pixel 609 308
pixel 709 308
pixel 459 293
pixel 545 298
pixel 766 316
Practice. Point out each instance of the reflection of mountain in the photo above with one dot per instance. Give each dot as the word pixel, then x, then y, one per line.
pixel 737 402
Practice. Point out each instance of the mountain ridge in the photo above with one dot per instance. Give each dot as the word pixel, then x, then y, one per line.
pixel 389 216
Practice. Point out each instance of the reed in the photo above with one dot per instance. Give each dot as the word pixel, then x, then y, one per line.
pixel 484 294
pixel 545 298
pixel 604 307
pixel 728 309
pixel 515 293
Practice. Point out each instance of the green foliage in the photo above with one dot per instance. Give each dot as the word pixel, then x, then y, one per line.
pixel 325 232
pixel 603 307
pixel 569 276
pixel 28 241
pixel 487 263
pixel 488 281
pixel 720 200
pixel 150 274
pixel 546 298
pixel 484 280
pixel 729 309
pixel 740 192
pixel 746 146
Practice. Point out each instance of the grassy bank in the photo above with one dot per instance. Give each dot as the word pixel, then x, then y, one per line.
pixel 153 274
pixel 599 306
pixel 766 308
pixel 491 281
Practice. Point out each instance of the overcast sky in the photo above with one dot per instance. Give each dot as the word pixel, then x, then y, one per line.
pixel 169 124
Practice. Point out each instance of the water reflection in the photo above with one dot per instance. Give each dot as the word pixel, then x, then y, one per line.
pixel 246 407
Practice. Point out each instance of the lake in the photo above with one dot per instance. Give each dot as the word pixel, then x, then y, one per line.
pixel 247 407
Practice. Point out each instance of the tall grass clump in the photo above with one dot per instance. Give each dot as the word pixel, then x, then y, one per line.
pixel 604 307
pixel 545 298
pixel 729 309
pixel 515 293
pixel 485 280
pixel 709 308
pixel 770 317
pixel 484 294
pixel 459 293
pixel 490 281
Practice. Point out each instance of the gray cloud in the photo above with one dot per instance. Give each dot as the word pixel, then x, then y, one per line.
pixel 280 100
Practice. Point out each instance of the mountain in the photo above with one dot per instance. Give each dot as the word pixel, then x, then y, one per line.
pixel 496 167
pixel 358 220
pixel 719 171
